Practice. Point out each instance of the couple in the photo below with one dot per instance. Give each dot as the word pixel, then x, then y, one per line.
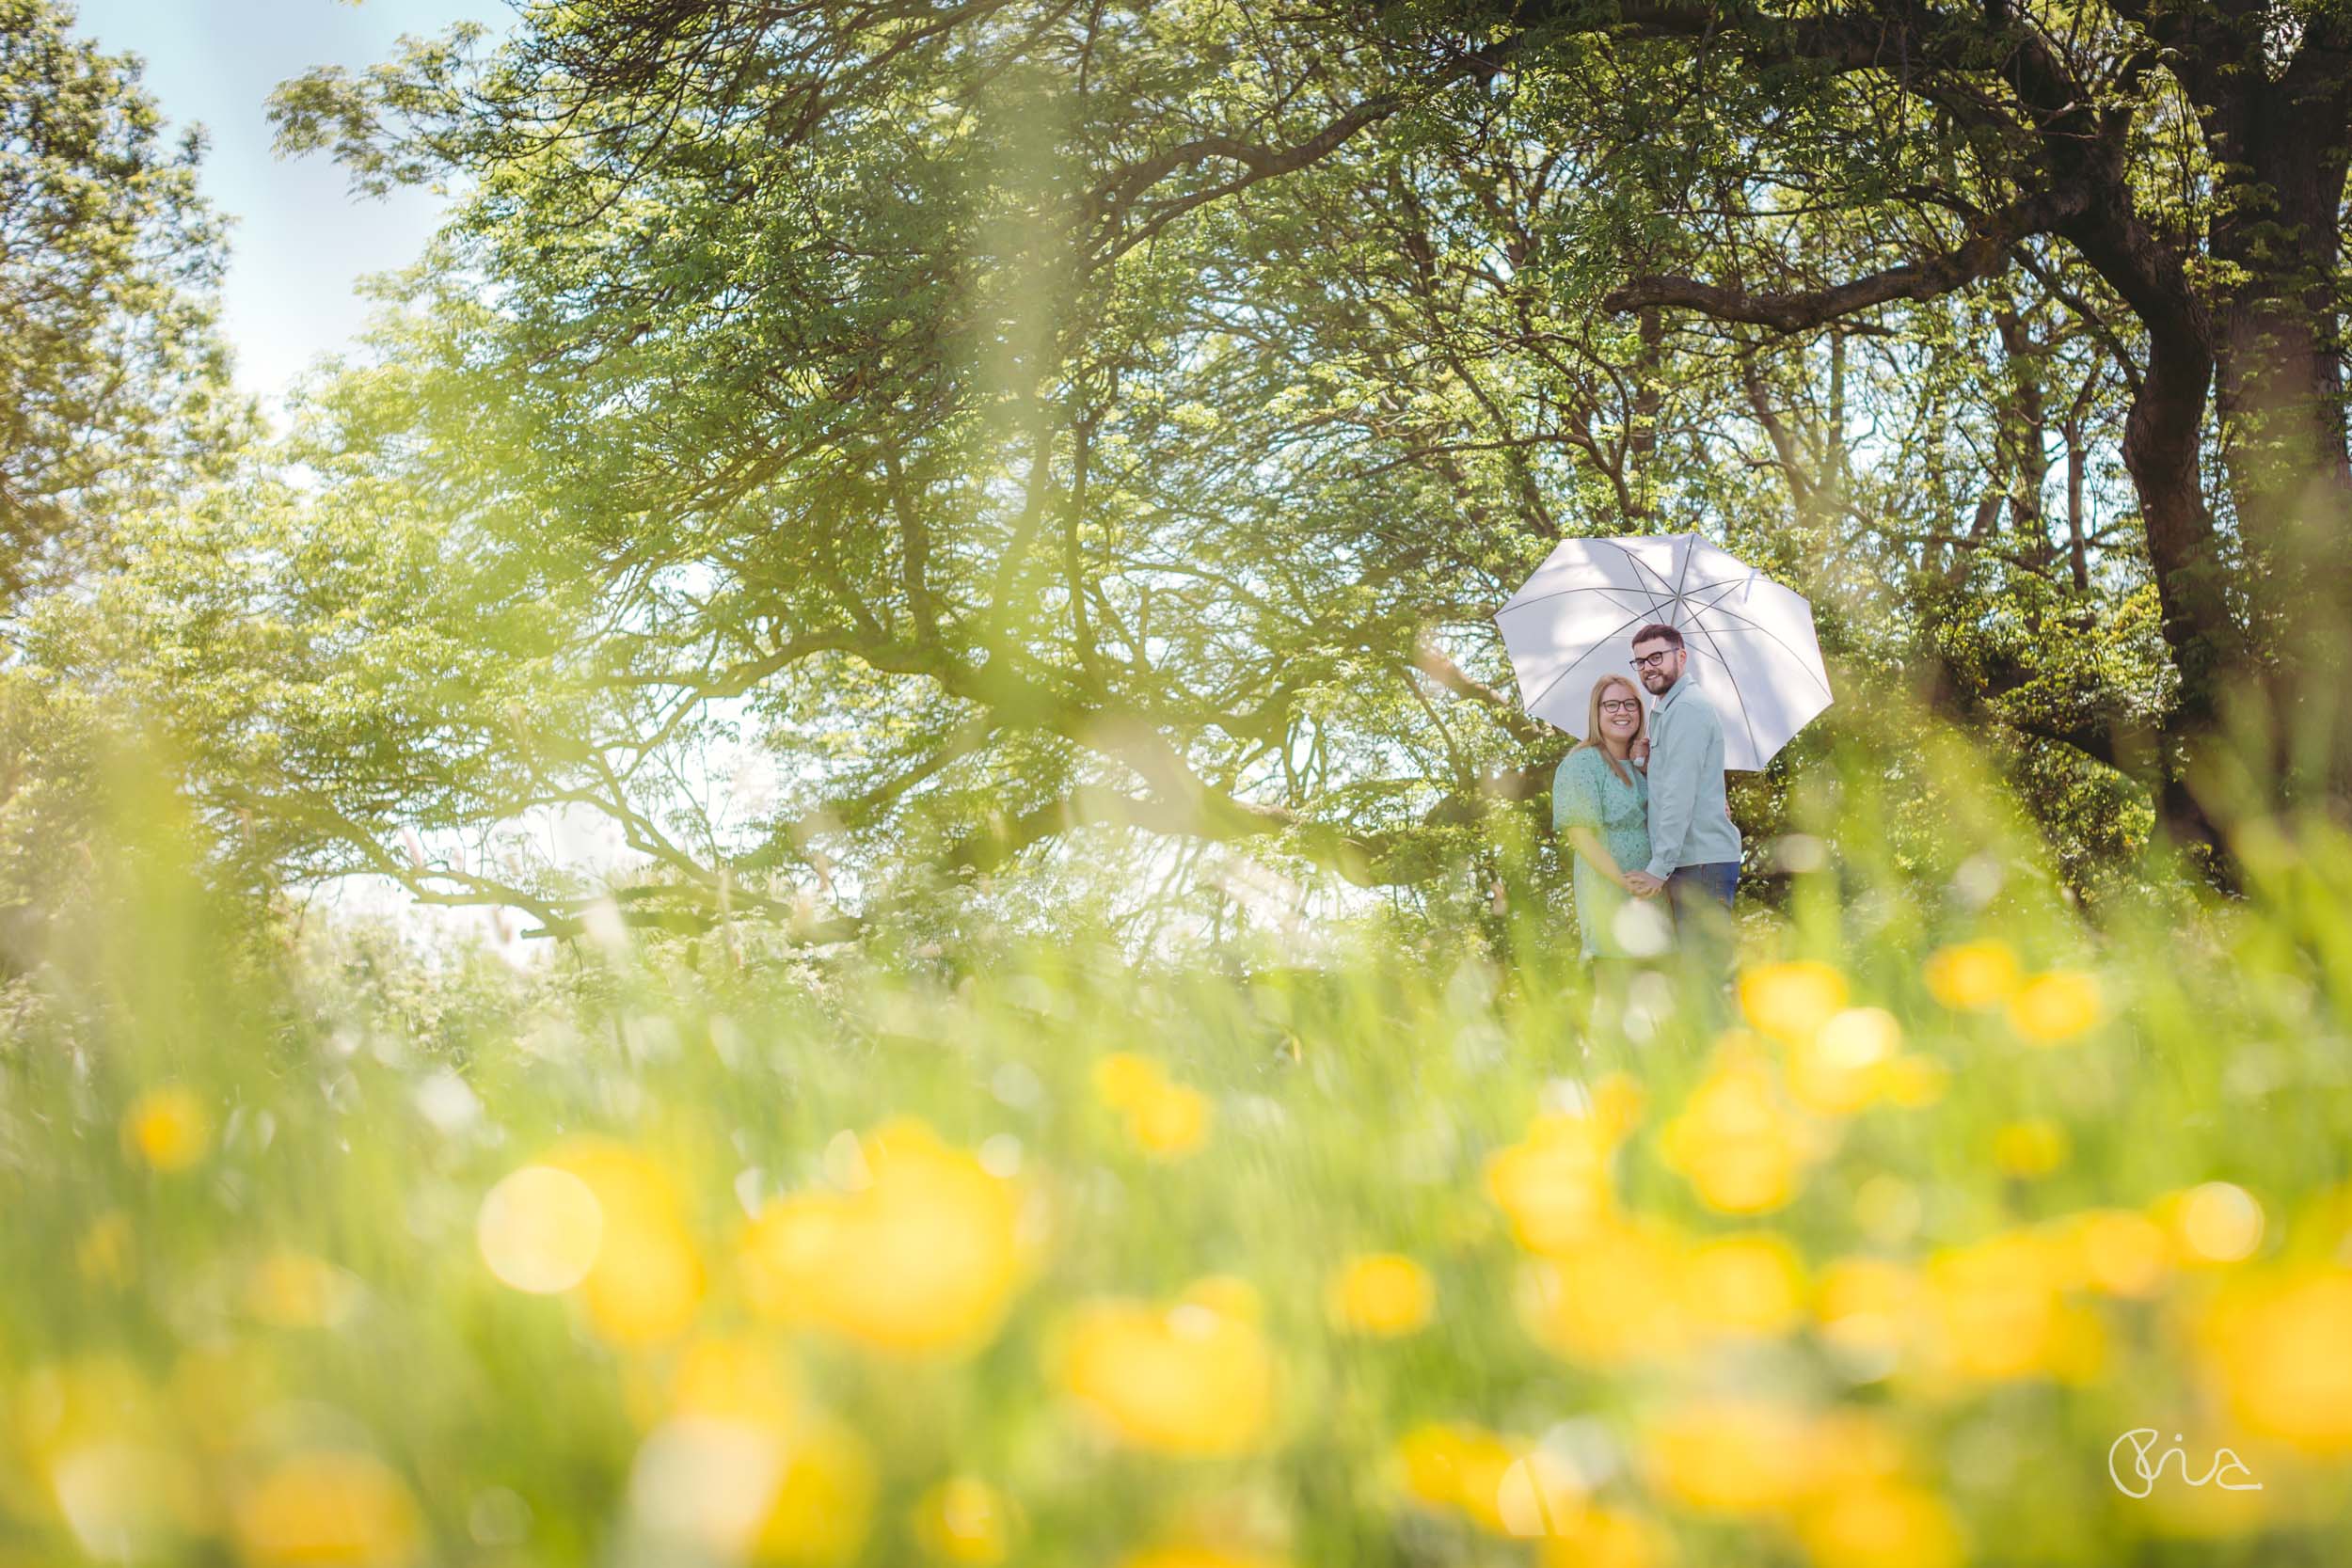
pixel 1641 801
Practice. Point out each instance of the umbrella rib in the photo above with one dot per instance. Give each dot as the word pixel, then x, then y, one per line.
pixel 1530 705
pixel 1796 655
pixel 1764 630
pixel 1716 604
pixel 1640 565
pixel 1745 723
pixel 1522 604
pixel 1679 597
pixel 1726 584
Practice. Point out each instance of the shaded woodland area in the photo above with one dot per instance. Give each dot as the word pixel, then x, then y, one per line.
pixel 1011 419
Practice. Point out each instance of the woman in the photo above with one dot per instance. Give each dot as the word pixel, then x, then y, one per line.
pixel 1600 803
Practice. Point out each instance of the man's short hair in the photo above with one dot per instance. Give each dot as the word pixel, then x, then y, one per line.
pixel 1658 631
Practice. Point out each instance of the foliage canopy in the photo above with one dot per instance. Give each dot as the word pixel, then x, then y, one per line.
pixel 842 447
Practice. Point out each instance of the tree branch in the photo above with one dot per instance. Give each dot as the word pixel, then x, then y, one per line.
pixel 1985 252
pixel 1431 661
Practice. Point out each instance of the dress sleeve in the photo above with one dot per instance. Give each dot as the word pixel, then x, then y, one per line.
pixel 1575 795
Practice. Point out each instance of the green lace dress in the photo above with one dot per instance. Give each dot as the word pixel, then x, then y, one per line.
pixel 1585 793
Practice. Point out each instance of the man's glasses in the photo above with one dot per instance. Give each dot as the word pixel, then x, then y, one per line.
pixel 1620 705
pixel 1651 662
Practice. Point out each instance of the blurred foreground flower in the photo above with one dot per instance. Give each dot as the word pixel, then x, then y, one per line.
pixel 647 1281
pixel 1519 1489
pixel 1971 977
pixel 2051 1010
pixel 1837 1481
pixel 730 1378
pixel 964 1519
pixel 88 1399
pixel 824 1499
pixel 1380 1294
pixel 2000 1310
pixel 1880 1524
pixel 112 1452
pixel 1866 1307
pixel 1457 1465
pixel 1192 1557
pixel 1641 1291
pixel 2117 1251
pixel 738 1462
pixel 108 1253
pixel 1847 1063
pixel 1555 1183
pixel 1165 1118
pixel 2216 1222
pixel 293 1289
pixel 2029 1148
pixel 711 1488
pixel 1735 1457
pixel 1614 1297
pixel 1739 1144
pixel 327 1508
pixel 596 1215
pixel 127 1501
pixel 1597 1537
pixel 1912 1080
pixel 1192 1378
pixel 922 1260
pixel 1747 1284
pixel 1789 1001
pixel 539 1229
pixel 2275 1347
pixel 168 1127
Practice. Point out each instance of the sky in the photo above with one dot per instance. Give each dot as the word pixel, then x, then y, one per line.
pixel 300 241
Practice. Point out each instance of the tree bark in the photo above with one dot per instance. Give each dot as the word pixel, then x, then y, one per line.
pixel 2161 436
pixel 2279 351
pixel 2275 113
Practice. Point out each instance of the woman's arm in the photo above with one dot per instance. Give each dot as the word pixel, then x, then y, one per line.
pixel 1588 844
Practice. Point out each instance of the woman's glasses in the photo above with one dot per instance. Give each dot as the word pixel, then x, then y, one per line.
pixel 1619 704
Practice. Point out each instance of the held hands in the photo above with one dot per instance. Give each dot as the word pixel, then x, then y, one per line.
pixel 1643 886
pixel 1638 753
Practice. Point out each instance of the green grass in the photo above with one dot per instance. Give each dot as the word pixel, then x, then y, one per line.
pixel 246 1313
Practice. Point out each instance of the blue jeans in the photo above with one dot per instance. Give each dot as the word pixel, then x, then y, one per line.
pixel 1701 897
pixel 1716 879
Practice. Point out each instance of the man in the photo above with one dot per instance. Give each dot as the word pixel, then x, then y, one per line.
pixel 1694 850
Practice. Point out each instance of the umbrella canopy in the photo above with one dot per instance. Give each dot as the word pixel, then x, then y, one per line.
pixel 1752 652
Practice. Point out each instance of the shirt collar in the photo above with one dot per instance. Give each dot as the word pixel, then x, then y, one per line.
pixel 1671 693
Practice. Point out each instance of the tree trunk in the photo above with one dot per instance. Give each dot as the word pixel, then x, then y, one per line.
pixel 2077 548
pixel 2283 418
pixel 2026 427
pixel 2277 346
pixel 2161 437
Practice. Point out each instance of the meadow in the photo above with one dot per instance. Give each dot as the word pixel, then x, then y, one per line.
pixel 1979 1232
pixel 1057 1039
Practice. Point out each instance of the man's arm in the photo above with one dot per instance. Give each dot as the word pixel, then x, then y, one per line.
pixel 1674 787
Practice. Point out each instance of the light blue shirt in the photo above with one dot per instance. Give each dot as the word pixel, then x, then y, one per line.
pixel 1690 820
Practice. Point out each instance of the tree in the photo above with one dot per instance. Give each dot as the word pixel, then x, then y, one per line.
pixel 113 396
pixel 2191 158
pixel 113 384
pixel 1026 417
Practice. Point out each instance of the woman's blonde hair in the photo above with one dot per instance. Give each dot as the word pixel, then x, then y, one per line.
pixel 1592 723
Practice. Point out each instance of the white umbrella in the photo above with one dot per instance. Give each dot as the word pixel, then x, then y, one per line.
pixel 1752 652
